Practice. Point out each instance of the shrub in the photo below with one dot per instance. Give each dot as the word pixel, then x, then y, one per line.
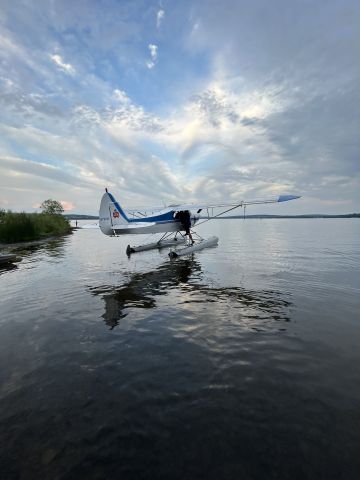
pixel 19 227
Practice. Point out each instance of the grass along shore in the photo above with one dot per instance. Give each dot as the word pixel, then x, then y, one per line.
pixel 24 227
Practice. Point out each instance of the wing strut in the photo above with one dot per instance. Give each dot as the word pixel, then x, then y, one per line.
pixel 221 213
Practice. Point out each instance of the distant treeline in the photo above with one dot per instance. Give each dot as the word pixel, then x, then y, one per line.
pixel 71 216
pixel 347 215
pixel 23 227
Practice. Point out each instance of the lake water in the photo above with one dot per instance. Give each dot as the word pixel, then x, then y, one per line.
pixel 240 362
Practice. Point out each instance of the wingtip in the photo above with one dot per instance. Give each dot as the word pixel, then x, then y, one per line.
pixel 286 198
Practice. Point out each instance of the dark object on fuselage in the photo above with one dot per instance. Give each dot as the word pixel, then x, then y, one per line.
pixel 184 218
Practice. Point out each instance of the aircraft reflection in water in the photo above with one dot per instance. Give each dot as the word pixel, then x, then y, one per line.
pixel 255 308
pixel 143 288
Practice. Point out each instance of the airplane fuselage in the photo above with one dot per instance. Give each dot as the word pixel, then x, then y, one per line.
pixel 113 220
pixel 150 227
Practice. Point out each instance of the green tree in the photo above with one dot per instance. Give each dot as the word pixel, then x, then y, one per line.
pixel 51 207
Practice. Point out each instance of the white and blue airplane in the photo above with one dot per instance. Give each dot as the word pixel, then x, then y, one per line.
pixel 114 220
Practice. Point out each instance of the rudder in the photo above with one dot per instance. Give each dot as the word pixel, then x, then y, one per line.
pixel 111 214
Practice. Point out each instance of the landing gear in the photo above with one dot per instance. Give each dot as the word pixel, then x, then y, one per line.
pixel 203 243
pixel 164 241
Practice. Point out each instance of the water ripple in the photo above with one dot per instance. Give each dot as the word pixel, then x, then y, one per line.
pixel 239 362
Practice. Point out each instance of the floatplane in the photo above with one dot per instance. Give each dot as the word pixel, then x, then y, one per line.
pixel 169 221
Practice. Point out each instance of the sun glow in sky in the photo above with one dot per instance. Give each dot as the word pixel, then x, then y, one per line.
pixel 167 101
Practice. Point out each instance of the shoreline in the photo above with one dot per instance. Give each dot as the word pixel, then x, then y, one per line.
pixel 30 243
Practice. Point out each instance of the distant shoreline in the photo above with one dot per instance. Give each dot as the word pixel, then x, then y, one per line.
pixel 30 243
pixel 80 217
pixel 264 217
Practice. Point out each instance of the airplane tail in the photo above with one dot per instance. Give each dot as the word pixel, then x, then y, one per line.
pixel 111 214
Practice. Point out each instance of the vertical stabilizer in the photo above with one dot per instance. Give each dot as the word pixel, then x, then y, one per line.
pixel 111 214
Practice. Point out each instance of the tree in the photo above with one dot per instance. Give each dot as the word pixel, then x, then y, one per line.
pixel 51 207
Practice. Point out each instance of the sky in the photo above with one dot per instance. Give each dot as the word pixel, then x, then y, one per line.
pixel 168 101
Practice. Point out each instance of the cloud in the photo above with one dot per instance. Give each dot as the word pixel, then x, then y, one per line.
pixel 66 67
pixel 154 54
pixel 67 206
pixel 25 103
pixel 242 105
pixel 20 166
pixel 160 17
pixel 153 51
pixel 121 96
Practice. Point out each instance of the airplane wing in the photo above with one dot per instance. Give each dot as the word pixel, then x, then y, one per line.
pixel 140 212
pixel 240 203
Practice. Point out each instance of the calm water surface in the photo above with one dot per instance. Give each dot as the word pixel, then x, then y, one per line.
pixel 240 362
